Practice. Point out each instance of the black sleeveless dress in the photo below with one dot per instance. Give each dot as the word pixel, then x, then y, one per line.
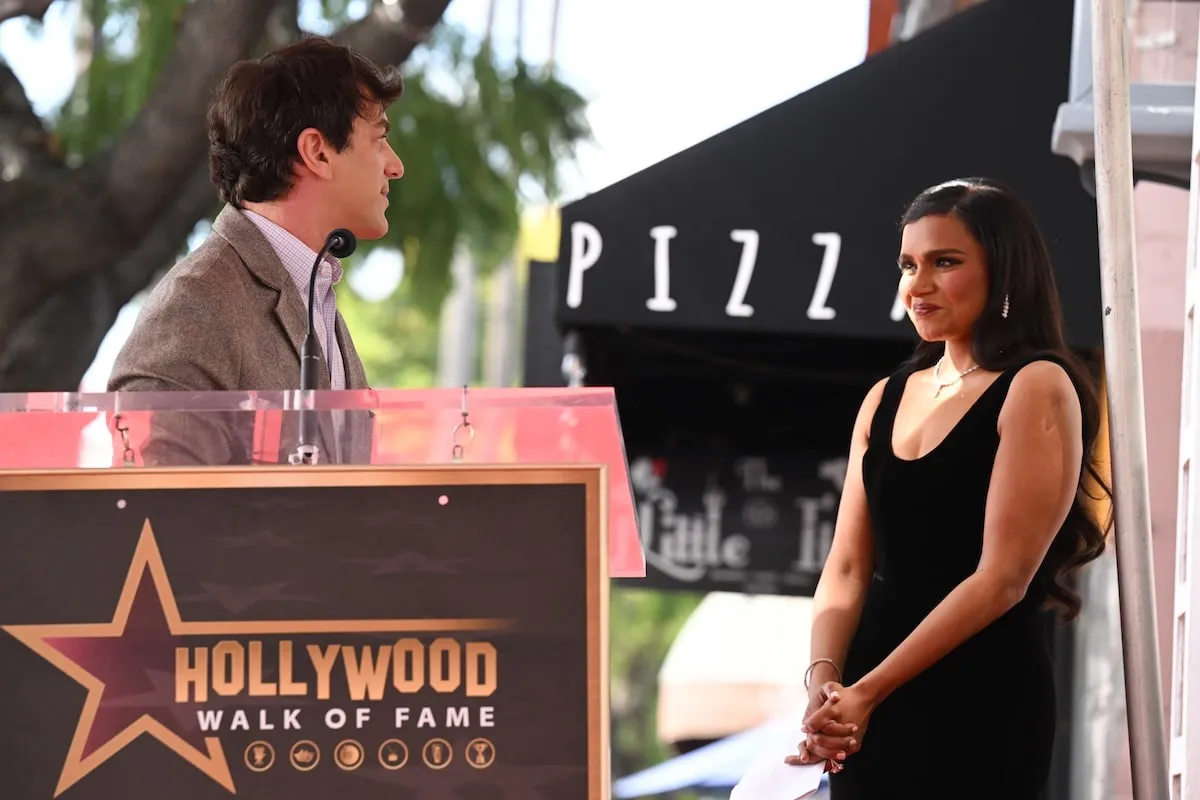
pixel 980 722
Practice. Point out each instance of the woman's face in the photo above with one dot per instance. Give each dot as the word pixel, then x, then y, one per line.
pixel 943 278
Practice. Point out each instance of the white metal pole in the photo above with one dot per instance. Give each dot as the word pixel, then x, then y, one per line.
pixel 1184 743
pixel 1127 414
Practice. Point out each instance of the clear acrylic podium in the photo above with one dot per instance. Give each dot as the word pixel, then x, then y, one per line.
pixel 475 427
pixel 422 610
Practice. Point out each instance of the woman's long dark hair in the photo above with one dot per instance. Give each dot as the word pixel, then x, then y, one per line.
pixel 1018 267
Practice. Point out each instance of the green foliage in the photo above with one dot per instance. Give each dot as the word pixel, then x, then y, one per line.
pixel 395 339
pixel 129 41
pixel 471 131
pixel 643 624
pixel 336 13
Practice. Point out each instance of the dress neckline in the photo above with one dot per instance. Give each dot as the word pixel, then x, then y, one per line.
pixel 895 410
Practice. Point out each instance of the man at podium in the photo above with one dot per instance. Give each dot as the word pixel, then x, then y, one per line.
pixel 300 156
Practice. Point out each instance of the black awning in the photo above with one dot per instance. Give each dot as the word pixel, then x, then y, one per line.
pixel 786 223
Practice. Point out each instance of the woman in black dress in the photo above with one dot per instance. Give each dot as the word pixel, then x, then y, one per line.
pixel 963 515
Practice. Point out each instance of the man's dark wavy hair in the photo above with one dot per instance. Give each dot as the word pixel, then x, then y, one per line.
pixel 262 105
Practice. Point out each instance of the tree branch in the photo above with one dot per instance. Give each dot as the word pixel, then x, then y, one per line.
pixel 157 250
pixel 113 201
pixel 53 347
pixel 283 25
pixel 24 143
pixel 159 149
pixel 11 9
pixel 390 32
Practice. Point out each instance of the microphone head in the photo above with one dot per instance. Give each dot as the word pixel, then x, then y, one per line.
pixel 341 243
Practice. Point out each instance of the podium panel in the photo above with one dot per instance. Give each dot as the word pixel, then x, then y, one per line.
pixel 281 632
pixel 355 428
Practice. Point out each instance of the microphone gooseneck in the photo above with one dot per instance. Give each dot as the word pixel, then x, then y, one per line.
pixel 340 243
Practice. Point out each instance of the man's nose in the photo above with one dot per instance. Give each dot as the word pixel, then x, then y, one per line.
pixel 395 167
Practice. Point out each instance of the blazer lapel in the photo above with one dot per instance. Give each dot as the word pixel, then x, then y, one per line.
pixel 356 374
pixel 292 317
pixel 262 262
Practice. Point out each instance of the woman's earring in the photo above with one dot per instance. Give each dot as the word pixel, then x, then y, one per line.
pixel 1004 308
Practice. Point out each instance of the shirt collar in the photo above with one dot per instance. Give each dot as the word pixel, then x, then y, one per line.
pixel 296 256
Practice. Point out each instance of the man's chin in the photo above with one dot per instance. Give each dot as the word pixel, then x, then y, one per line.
pixel 373 230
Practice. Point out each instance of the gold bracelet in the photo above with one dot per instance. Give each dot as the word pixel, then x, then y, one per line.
pixel 829 661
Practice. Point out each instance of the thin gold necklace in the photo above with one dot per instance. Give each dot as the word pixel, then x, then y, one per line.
pixel 938 384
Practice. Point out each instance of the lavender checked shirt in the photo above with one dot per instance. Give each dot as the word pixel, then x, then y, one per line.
pixel 297 259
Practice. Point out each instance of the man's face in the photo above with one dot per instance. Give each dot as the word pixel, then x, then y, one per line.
pixel 361 175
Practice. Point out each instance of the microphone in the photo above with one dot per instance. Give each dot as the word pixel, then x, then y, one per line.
pixel 340 243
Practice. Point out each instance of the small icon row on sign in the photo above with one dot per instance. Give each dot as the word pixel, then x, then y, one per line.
pixel 349 754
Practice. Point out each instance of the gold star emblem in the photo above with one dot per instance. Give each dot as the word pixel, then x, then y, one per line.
pixel 51 643
pixel 116 660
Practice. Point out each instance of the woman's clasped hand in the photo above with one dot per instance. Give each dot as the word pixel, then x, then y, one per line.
pixel 834 725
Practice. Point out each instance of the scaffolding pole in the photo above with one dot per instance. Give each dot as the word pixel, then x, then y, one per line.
pixel 1127 413
pixel 1184 744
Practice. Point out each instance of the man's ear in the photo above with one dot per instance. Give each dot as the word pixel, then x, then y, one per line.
pixel 314 152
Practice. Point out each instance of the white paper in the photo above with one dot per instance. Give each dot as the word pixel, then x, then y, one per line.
pixel 768 778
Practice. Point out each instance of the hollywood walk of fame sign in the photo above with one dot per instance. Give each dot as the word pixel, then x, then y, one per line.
pixel 431 632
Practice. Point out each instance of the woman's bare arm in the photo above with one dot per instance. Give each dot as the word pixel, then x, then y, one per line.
pixel 850 565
